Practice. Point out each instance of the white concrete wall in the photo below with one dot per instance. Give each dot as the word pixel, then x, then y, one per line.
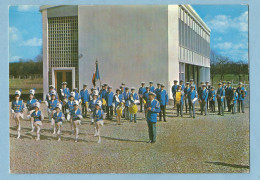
pixel 45 53
pixel 130 43
pixel 173 45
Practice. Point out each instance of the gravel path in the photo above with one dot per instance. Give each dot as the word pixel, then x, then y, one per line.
pixel 206 144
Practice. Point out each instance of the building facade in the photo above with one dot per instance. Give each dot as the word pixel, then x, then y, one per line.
pixel 134 43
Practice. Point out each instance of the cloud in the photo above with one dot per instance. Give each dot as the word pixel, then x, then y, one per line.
pixel 230 45
pixel 14 34
pixel 32 42
pixel 15 58
pixel 218 39
pixel 24 8
pixel 222 23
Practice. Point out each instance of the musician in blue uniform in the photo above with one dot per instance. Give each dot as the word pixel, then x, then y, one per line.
pixel 51 89
pixel 77 96
pixel 174 89
pixel 208 88
pixel 98 116
pixel 84 99
pixel 126 96
pixel 146 98
pixel 182 85
pixel 192 97
pixel 134 99
pixel 212 99
pixel 117 99
pixel 109 99
pixel 186 92
pixel 122 89
pixel 151 87
pixel 58 117
pixel 224 87
pixel 102 96
pixel 37 117
pixel 220 99
pixel 51 104
pixel 163 99
pixel 242 93
pixel 141 93
pixel 69 106
pixel 65 93
pixel 153 107
pixel 228 91
pixel 193 84
pixel 76 117
pixel 200 88
pixel 233 100
pixel 17 110
pixel 30 106
pixel 203 98
pixel 157 90
pixel 92 106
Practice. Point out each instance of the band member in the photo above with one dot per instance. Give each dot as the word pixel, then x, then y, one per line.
pixel 119 111
pixel 192 83
pixel 69 107
pixel 30 106
pixel 141 93
pixel 76 118
pixel 122 89
pixel 157 90
pixel 224 87
pixel 212 99
pixel 179 96
pixel 163 99
pixel 51 89
pixel 199 91
pixel 102 96
pixel 228 91
pixel 58 117
pixel 51 107
pixel 126 95
pixel 99 116
pixel 233 100
pixel 182 85
pixel 37 118
pixel 220 99
pixel 109 100
pixel 174 89
pixel 203 98
pixel 133 107
pixel 92 90
pixel 117 100
pixel 151 87
pixel 192 96
pixel 65 93
pixel 84 99
pixel 146 99
pixel 242 93
pixel 208 88
pixel 17 110
pixel 153 107
pixel 77 95
pixel 186 92
pixel 92 106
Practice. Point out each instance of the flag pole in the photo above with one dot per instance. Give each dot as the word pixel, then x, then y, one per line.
pixel 99 76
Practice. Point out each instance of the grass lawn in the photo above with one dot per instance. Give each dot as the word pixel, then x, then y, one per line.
pixel 25 85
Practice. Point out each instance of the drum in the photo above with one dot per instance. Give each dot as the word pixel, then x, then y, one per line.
pixel 178 97
pixel 119 110
pixel 104 102
pixel 133 109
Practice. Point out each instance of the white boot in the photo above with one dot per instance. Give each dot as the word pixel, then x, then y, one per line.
pixel 95 131
pixel 99 139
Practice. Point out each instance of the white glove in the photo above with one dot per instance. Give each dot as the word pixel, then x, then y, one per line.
pixel 12 111
pixel 136 101
pixel 46 103
pixel 113 104
pixel 68 117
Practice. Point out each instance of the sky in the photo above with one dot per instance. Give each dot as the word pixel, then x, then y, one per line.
pixel 228 24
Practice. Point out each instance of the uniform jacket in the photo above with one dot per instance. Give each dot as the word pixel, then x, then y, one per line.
pixel 109 98
pixel 228 91
pixel 58 117
pixel 163 97
pixel 52 104
pixel 152 114
pixel 126 96
pixel 77 96
pixel 182 96
pixel 120 98
pixel 221 93
pixel 84 95
pixel 66 93
pixel 92 104
pixel 70 105
pixel 152 88
pixel 133 97
pixel 212 94
pixel 146 96
pixel 174 89
pixel 98 114
pixel 17 106
pixel 37 116
pixel 234 96
pixel 141 91
pixel 102 94
pixel 157 92
pixel 75 114
pixel 191 95
pixel 203 95
pixel 30 104
pixel 240 94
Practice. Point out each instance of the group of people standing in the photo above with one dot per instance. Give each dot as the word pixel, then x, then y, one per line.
pixel 102 104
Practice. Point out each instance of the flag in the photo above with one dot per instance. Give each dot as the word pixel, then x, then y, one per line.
pixel 97 77
pixel 94 79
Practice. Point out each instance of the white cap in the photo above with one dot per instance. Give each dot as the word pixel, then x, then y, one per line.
pixel 99 103
pixel 32 91
pixel 37 104
pixel 72 94
pixel 76 103
pixel 53 92
pixel 18 92
pixel 95 92
pixel 59 106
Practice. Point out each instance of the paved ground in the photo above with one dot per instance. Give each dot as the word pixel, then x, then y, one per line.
pixel 206 144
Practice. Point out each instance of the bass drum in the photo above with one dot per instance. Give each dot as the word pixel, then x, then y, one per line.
pixel 104 102
pixel 133 109
pixel 119 110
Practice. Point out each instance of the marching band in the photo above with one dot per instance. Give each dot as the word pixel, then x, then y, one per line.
pixel 99 105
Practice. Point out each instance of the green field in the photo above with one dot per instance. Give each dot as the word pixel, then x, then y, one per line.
pixel 230 77
pixel 25 85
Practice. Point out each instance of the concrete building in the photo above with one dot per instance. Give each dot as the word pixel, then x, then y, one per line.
pixel 132 44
